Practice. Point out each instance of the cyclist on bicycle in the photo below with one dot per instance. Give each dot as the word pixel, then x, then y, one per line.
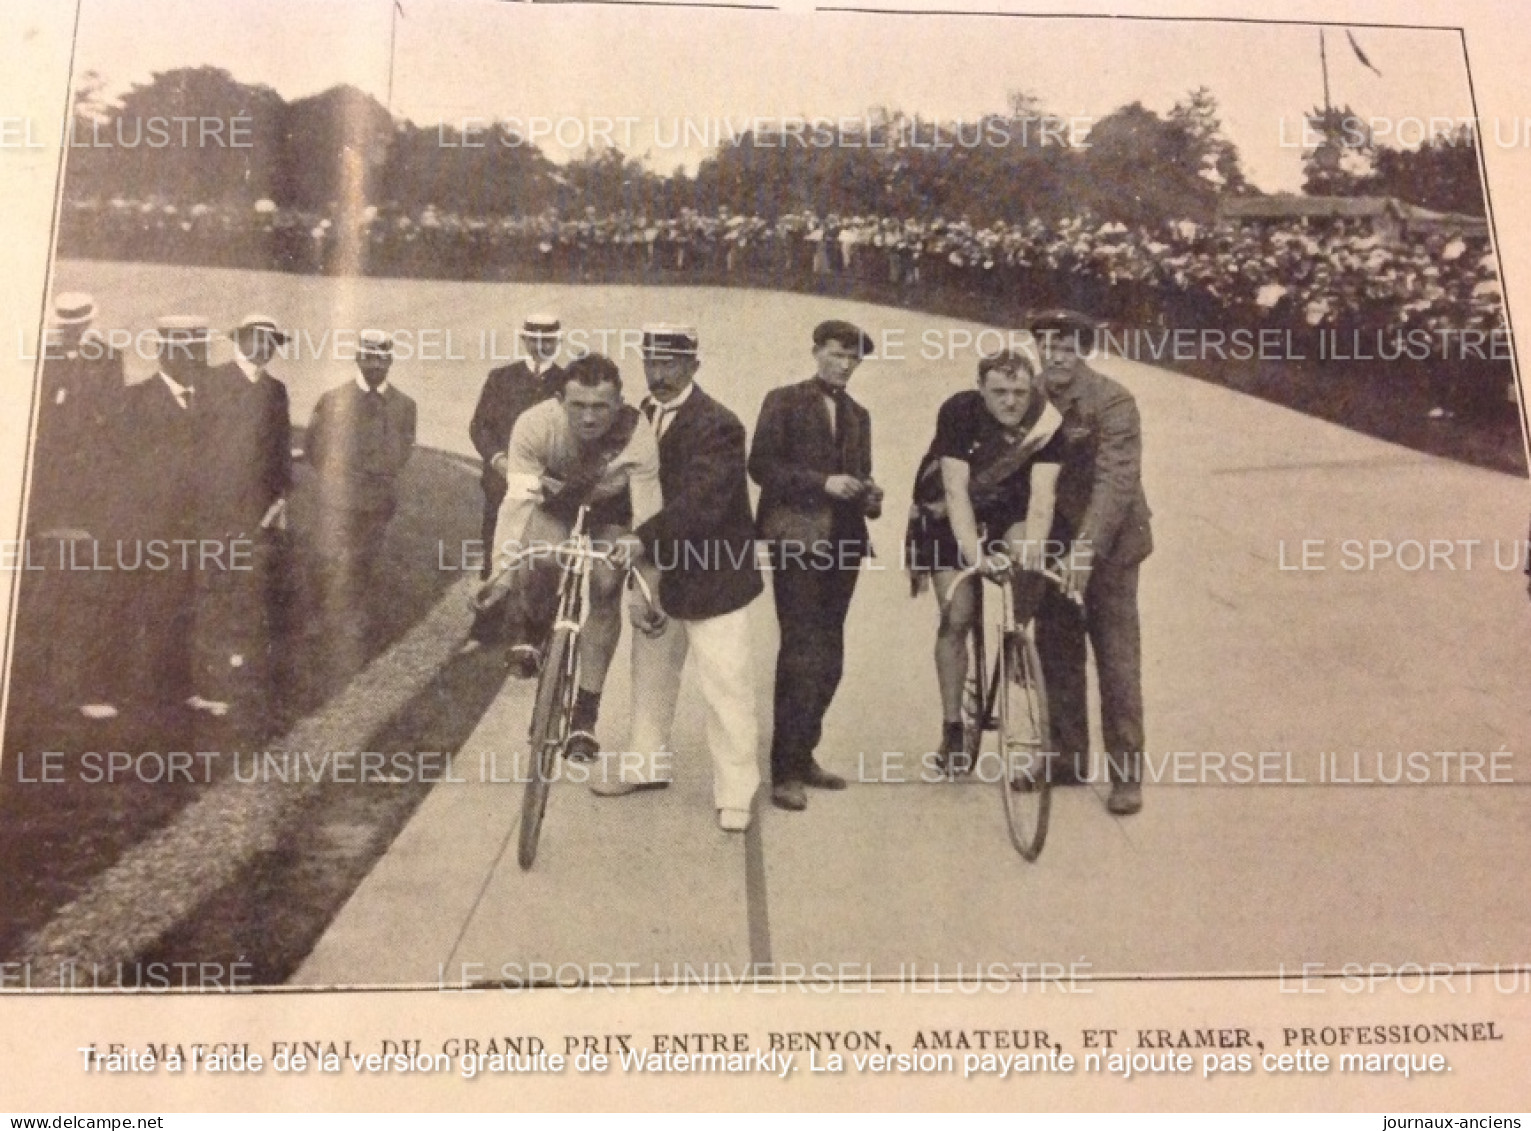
pixel 585 447
pixel 984 496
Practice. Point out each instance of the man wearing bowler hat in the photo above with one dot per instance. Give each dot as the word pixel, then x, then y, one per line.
pixel 702 543
pixel 812 456
pixel 248 430
pixel 359 440
pixel 1103 516
pixel 78 403
pixel 510 390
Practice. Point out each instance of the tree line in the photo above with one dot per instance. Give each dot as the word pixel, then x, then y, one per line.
pixel 341 150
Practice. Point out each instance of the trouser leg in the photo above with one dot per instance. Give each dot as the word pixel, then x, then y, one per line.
pixel 1111 605
pixel 811 605
pixel 1061 646
pixel 657 664
pixel 725 677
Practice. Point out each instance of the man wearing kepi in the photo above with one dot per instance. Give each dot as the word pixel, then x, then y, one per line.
pixel 702 543
pixel 508 392
pixel 1103 516
pixel 812 456
pixel 249 431
pixel 359 441
pixel 585 448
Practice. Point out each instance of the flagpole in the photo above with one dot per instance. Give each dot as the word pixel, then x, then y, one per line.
pixel 1323 62
pixel 393 38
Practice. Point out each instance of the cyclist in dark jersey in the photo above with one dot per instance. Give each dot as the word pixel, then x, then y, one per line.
pixel 983 495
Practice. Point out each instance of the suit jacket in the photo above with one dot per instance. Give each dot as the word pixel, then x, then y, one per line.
pixel 508 392
pixel 79 403
pixel 248 424
pixel 793 454
pixel 359 446
pixel 1100 485
pixel 703 538
pixel 158 467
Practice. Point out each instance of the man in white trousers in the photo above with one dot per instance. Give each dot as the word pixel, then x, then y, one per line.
pixel 702 546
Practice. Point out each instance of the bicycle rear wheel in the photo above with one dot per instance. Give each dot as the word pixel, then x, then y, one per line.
pixel 1023 736
pixel 549 732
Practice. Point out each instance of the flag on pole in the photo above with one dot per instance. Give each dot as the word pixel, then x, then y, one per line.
pixel 397 7
pixel 1361 55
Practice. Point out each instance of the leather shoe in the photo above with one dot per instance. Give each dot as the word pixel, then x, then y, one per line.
pixel 789 795
pixel 817 777
pixel 524 661
pixel 618 788
pixel 1126 798
pixel 582 747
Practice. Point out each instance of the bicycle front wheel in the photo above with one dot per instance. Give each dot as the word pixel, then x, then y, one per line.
pixel 977 698
pixel 1023 737
pixel 550 724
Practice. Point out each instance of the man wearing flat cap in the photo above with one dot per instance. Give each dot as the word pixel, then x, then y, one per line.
pixel 812 456
pixel 1103 515
pixel 250 445
pixel 359 440
pixel 78 404
pixel 160 473
pixel 702 543
pixel 534 376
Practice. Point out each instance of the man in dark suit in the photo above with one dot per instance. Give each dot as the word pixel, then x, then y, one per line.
pixel 248 431
pixel 812 457
pixel 70 612
pixel 1103 516
pixel 508 392
pixel 159 471
pixel 359 440
pixel 701 546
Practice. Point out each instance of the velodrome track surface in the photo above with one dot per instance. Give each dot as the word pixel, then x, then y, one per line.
pixel 1241 655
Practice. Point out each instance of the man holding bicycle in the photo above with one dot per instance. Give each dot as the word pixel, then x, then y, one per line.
pixel 1103 511
pixel 983 496
pixel 586 447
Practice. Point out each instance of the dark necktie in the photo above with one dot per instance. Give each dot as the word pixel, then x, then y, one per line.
pixel 656 412
pixel 841 400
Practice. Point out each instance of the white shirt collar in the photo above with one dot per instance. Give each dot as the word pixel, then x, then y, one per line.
pixel 177 390
pixel 672 405
pixel 248 367
pixel 361 383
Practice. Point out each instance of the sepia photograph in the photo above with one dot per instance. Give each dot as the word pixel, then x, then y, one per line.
pixel 572 498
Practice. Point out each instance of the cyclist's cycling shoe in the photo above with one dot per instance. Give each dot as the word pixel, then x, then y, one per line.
pixel 953 758
pixel 582 747
pixel 524 661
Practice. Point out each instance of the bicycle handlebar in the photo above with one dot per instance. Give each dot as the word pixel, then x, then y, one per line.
pixel 1053 577
pixel 560 553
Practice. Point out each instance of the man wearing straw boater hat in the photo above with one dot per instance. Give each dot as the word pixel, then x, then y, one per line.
pixel 248 431
pixel 160 474
pixel 509 391
pixel 80 395
pixel 359 440
pixel 702 542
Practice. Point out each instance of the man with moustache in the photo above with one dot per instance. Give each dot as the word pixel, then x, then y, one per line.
pixel 360 438
pixel 1103 516
pixel 702 543
pixel 812 456
pixel 509 391
pixel 244 506
pixel 160 472
pixel 80 398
